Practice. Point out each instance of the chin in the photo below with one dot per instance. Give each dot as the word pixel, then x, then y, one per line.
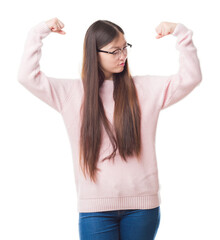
pixel 121 70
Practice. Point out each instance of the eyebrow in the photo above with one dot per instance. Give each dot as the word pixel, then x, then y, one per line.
pixel 118 47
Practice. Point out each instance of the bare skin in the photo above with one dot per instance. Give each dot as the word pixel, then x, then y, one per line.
pixel 163 29
pixel 108 64
pixel 55 25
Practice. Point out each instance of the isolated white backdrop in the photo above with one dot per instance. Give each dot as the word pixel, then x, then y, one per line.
pixel 37 191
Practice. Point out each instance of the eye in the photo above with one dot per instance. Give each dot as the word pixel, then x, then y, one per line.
pixel 116 52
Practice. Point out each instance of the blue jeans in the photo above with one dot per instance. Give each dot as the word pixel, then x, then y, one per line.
pixel 133 224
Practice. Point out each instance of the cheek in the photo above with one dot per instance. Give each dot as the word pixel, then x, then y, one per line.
pixel 109 63
pixel 113 62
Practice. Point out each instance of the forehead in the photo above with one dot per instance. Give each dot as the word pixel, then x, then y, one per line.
pixel 118 42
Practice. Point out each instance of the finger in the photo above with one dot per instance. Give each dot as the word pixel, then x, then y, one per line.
pixel 58 25
pixel 163 31
pixel 55 27
pixel 159 36
pixel 61 24
pixel 61 32
pixel 167 31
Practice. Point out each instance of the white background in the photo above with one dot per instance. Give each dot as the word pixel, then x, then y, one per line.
pixel 37 191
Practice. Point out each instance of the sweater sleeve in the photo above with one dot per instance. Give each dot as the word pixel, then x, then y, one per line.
pixel 53 91
pixel 189 75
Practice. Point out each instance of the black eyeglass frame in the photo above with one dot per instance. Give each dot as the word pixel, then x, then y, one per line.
pixel 128 44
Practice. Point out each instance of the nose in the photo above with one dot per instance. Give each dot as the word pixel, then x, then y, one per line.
pixel 123 55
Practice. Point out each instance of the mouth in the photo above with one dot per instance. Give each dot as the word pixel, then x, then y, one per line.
pixel 122 64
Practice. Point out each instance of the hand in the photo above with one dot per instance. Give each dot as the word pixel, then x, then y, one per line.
pixel 55 25
pixel 165 28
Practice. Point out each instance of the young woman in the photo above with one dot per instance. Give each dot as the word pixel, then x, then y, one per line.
pixel 111 119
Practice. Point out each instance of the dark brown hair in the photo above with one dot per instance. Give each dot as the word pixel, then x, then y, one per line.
pixel 125 132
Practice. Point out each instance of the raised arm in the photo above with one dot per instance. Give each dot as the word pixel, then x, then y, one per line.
pixel 189 75
pixel 53 91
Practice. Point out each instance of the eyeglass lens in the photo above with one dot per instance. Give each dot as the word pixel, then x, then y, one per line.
pixel 126 50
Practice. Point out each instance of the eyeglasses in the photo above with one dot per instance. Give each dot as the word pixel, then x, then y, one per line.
pixel 117 53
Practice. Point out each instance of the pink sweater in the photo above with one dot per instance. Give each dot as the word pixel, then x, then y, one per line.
pixel 120 185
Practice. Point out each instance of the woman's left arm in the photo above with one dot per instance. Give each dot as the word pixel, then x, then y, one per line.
pixel 189 75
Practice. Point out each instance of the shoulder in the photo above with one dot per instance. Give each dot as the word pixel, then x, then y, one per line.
pixel 149 81
pixel 150 86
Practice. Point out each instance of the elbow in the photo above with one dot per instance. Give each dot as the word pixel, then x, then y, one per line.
pixel 199 79
pixel 197 82
pixel 21 80
pixel 20 77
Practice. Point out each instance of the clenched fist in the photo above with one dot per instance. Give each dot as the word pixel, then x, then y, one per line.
pixel 55 25
pixel 165 28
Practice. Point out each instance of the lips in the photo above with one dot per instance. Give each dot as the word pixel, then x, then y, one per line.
pixel 122 63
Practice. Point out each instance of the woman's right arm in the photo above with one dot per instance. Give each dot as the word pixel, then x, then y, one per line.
pixel 53 91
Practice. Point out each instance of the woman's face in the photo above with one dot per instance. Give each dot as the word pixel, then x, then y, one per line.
pixel 109 63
